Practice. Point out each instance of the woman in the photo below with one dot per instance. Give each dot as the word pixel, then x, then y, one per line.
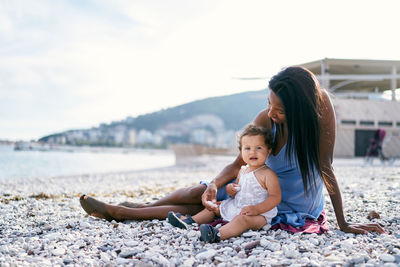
pixel 301 115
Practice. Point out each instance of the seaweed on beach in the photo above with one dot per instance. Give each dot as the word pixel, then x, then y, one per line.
pixel 9 198
pixel 42 196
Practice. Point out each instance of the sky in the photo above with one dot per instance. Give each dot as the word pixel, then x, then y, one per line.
pixel 72 64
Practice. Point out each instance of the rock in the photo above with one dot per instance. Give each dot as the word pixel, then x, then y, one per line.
pixel 264 242
pixel 250 234
pixel 313 263
pixel 67 261
pixel 397 258
pixel 52 236
pixel 84 225
pixel 314 241
pixel 58 251
pixel 357 260
pixel 189 262
pixel 333 258
pixel 122 261
pixel 105 257
pixel 347 244
pixel 304 261
pixel 274 246
pixel 251 245
pixel 208 254
pixel 131 243
pixel 160 260
pixel 128 252
pixel 387 258
pixel 373 215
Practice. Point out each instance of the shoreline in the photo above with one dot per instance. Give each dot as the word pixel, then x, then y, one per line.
pixel 18 165
pixel 43 224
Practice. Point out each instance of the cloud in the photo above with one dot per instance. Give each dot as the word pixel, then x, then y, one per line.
pixel 70 64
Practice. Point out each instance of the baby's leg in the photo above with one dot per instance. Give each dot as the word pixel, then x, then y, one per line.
pixel 204 216
pixel 241 223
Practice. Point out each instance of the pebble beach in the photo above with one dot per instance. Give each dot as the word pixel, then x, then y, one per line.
pixel 42 223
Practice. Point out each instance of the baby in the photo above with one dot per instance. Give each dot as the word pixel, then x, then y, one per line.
pixel 254 194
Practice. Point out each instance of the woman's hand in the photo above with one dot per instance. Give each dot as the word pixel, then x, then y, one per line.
pixel 249 210
pixel 210 195
pixel 360 228
pixel 231 190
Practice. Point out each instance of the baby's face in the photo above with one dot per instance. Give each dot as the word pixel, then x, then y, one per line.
pixel 254 150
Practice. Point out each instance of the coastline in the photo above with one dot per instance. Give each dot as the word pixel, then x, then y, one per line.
pixel 43 224
pixel 20 164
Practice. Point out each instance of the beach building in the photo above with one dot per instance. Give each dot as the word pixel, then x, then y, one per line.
pixel 365 99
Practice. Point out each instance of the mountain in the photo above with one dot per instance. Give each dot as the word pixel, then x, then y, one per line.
pixel 235 110
pixel 212 121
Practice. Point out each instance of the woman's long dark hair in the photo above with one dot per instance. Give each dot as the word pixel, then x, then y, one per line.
pixel 300 94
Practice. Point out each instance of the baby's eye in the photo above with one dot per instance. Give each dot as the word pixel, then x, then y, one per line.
pixel 247 148
pixel 259 148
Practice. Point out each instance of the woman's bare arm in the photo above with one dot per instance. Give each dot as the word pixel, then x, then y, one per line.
pixel 326 144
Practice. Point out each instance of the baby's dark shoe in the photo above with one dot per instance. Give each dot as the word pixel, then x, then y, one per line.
pixel 175 220
pixel 209 234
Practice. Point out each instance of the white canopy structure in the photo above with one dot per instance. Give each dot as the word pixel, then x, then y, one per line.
pixel 360 76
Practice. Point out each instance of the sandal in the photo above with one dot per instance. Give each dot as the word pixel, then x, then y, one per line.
pixel 209 234
pixel 175 220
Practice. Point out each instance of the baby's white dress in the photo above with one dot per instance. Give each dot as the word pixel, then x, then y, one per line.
pixel 251 193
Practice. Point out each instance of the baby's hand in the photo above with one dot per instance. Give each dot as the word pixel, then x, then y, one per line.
pixel 232 189
pixel 236 187
pixel 248 210
pixel 212 204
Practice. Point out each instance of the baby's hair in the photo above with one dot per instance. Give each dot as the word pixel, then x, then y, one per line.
pixel 253 130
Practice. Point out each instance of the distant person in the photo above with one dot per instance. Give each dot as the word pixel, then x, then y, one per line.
pixel 375 146
pixel 302 119
pixel 253 196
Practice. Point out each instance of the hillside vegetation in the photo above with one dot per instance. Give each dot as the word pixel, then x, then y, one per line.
pixel 235 111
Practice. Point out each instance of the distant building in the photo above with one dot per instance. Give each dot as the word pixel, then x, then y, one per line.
pixel 357 120
pixel 144 137
pixel 131 137
pixel 357 87
pixel 202 136
pixel 118 134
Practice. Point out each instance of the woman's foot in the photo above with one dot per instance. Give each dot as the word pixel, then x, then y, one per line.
pixel 95 208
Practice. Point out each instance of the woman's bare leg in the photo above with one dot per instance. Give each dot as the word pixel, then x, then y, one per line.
pixel 184 200
pixel 120 213
pixel 241 223
pixel 182 196
pixel 148 213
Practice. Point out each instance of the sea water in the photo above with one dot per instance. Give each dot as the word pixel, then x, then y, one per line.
pixel 30 164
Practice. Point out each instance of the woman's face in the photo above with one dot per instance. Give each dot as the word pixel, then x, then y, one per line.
pixel 275 109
